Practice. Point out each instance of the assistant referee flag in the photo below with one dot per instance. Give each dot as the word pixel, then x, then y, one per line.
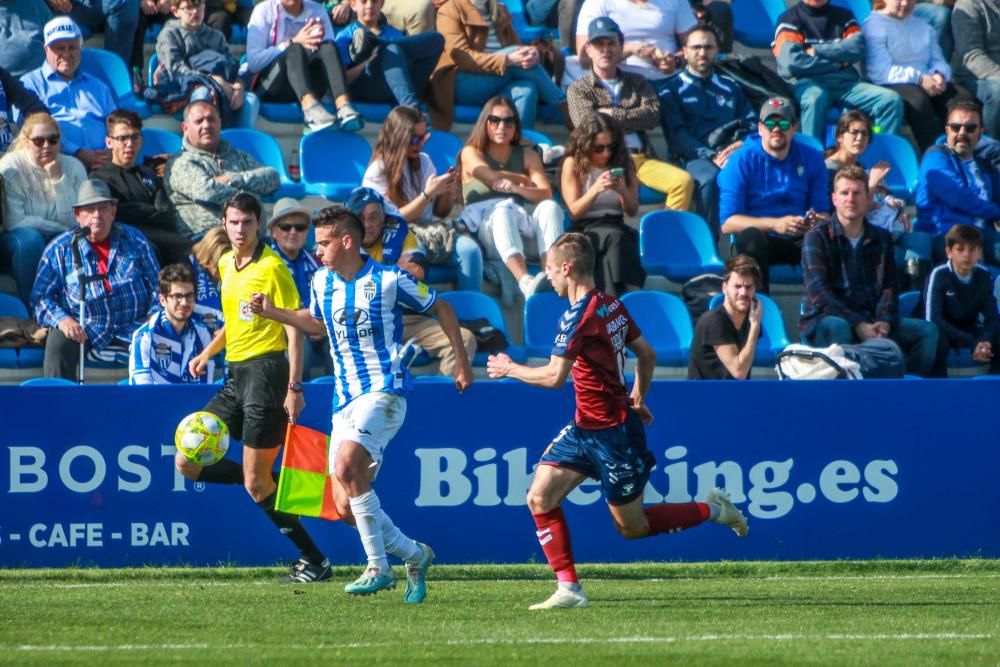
pixel 305 486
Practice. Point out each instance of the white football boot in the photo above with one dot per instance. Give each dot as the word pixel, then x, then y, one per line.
pixel 728 514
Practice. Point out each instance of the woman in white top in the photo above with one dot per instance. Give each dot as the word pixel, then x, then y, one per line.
pixel 405 176
pixel 292 58
pixel 41 186
pixel 500 177
pixel 600 187
pixel 903 54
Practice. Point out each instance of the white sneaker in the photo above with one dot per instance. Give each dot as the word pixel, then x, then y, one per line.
pixel 564 598
pixel 728 514
pixel 318 118
pixel 530 284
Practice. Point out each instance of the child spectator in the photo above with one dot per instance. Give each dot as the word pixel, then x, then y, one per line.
pixel 383 64
pixel 959 300
pixel 191 51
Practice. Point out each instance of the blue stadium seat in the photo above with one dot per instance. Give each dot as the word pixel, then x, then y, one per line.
pixel 109 68
pixel 541 320
pixel 333 163
pixel 323 379
pixel 649 197
pixel 908 304
pixel 443 148
pixel 773 338
pixel 678 245
pixel 524 30
pixel 810 141
pixel 754 21
pixel 476 305
pixel 156 141
pixel 665 323
pixel 533 137
pixel 860 8
pixel 898 152
pixel 266 150
pixel 48 382
pixel 25 357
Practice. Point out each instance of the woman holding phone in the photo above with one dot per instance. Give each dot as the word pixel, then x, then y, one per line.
pixel 600 187
pixel 406 178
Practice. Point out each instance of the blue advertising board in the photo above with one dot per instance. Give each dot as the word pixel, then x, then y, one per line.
pixel 823 470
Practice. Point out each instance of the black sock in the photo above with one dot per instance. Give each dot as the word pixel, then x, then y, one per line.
pixel 292 528
pixel 223 472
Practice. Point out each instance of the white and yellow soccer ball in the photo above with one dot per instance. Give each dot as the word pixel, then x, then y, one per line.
pixel 202 438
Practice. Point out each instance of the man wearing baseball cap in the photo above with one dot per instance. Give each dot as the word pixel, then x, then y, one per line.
pixel 78 101
pixel 115 267
pixel 773 190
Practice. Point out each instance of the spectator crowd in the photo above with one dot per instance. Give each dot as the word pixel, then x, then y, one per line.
pixel 89 218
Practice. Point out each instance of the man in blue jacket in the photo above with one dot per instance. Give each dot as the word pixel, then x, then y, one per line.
pixel 773 190
pixel 817 46
pixel 705 118
pixel 960 182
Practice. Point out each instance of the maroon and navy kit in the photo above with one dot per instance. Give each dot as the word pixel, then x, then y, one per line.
pixel 594 332
pixel 606 440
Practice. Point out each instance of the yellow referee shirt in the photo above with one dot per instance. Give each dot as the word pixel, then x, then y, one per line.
pixel 249 335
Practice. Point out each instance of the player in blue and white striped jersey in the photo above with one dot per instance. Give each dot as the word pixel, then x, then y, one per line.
pixel 163 347
pixel 358 302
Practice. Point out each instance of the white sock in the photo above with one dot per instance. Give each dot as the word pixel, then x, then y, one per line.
pixel 396 543
pixel 366 509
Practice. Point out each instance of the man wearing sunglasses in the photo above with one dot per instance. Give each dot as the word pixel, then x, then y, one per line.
pixel 960 183
pixel 772 191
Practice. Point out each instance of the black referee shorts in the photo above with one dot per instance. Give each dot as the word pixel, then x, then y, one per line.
pixel 251 402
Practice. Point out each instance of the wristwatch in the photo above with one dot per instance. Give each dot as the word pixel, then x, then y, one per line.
pixel 295 387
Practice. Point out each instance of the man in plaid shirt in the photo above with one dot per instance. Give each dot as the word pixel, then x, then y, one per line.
pixel 119 298
pixel 850 280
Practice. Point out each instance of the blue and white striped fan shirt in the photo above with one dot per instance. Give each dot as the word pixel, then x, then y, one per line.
pixel 160 355
pixel 364 321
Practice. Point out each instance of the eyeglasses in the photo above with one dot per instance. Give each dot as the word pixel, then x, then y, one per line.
pixel 968 127
pixel 857 134
pixel 51 140
pixel 605 148
pixel 128 138
pixel 702 47
pixel 180 297
pixel 509 121
pixel 417 139
pixel 782 125
pixel 287 228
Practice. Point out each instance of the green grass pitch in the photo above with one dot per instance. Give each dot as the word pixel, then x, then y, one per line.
pixel 835 613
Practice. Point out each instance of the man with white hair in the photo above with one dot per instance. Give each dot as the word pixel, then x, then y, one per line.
pixel 78 101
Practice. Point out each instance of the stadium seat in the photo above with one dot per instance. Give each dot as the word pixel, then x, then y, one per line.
pixel 773 338
pixel 541 319
pixel 25 357
pixel 678 245
pixel 48 382
pixel 476 305
pixel 650 197
pixel 333 163
pixel 533 138
pixel 109 68
pixel 898 152
pixel 908 304
pixel 443 148
pixel 266 150
pixel 860 8
pixel 323 379
pixel 156 141
pixel 810 141
pixel 754 21
pixel 665 323
pixel 524 30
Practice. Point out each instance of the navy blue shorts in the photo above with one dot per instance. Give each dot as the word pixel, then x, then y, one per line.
pixel 616 456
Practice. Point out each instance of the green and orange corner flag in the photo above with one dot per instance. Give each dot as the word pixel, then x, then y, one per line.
pixel 305 487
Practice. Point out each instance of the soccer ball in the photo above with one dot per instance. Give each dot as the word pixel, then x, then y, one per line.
pixel 202 438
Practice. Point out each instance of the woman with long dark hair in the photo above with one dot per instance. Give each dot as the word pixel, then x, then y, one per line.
pixel 405 176
pixel 499 179
pixel 600 188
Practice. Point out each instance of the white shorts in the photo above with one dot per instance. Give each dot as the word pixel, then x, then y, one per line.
pixel 371 420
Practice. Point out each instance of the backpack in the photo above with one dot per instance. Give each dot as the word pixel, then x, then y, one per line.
pixel 699 292
pixel 759 82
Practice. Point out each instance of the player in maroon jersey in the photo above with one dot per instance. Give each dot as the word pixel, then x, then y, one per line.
pixel 607 438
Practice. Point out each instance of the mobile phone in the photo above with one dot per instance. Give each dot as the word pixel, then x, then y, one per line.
pixel 451 170
pixel 617 172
